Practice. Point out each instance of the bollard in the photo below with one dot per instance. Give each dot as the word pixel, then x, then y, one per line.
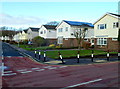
pixel 35 53
pixel 108 55
pixel 44 56
pixel 39 55
pixel 92 55
pixel 60 56
pixel 78 56
pixel 119 55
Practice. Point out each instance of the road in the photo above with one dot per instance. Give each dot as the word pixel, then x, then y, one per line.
pixel 25 72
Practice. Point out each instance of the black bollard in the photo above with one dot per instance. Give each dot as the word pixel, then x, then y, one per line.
pixel 44 56
pixel 60 56
pixel 108 55
pixel 35 53
pixel 78 56
pixel 92 55
pixel 39 55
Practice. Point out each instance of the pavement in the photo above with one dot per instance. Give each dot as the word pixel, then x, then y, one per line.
pixel 71 61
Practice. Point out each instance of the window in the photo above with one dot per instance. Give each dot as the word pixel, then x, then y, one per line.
pixel 66 29
pixel 102 26
pixel 60 29
pixel 102 41
pixel 115 25
pixel 114 39
pixel 85 39
pixel 44 31
pixel 60 40
pixel 41 32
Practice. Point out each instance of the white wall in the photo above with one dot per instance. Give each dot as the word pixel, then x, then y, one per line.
pixel 110 32
pixel 47 33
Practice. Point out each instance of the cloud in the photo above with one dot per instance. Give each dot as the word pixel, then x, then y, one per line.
pixel 21 21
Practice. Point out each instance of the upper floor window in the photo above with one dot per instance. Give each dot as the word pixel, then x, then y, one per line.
pixel 115 25
pixel 66 29
pixel 44 31
pixel 60 29
pixel 41 32
pixel 102 26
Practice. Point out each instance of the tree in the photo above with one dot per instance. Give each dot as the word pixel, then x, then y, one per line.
pixel 80 35
pixel 38 41
pixel 52 23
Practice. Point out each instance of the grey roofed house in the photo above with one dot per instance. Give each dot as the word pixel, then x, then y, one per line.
pixel 34 29
pixel 50 26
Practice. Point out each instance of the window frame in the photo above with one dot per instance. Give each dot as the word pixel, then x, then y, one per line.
pixel 101 41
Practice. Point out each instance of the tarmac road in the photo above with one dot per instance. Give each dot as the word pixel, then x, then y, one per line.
pixel 25 72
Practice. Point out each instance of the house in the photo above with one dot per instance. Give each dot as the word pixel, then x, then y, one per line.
pixel 106 31
pixel 18 36
pixel 24 35
pixel 66 30
pixel 32 32
pixel 48 32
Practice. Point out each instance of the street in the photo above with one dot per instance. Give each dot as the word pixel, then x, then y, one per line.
pixel 25 72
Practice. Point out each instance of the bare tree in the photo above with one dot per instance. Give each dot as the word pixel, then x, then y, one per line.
pixel 80 35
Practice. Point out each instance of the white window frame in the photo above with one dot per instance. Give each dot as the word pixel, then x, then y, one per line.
pixel 115 25
pixel 101 41
pixel 102 26
pixel 60 30
pixel 60 40
pixel 66 29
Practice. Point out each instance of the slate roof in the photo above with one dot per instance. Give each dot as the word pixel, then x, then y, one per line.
pixel 50 26
pixel 115 14
pixel 76 23
pixel 34 29
pixel 25 30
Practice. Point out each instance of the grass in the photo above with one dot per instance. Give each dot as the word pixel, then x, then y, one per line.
pixel 65 53
pixel 72 53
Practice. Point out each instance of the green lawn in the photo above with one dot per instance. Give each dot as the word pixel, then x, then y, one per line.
pixel 65 53
pixel 72 53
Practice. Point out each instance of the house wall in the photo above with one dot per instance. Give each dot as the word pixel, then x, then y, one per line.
pixel 69 39
pixel 32 34
pixel 110 31
pixel 47 33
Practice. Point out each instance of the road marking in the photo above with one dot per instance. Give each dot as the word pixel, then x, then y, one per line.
pixel 82 83
pixel 22 70
pixel 26 72
pixel 9 56
pixel 52 68
pixel 40 70
pixel 35 68
pixel 62 66
pixel 47 66
pixel 7 71
pixel 9 74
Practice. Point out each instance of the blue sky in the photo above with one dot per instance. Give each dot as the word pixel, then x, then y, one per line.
pixel 24 14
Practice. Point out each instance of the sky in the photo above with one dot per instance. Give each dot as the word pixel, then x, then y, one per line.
pixel 34 14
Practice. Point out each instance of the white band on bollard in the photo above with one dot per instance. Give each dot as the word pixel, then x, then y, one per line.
pixel 92 55
pixel 108 55
pixel 2 68
pixel 118 54
pixel 78 56
pixel 39 53
pixel 35 52
pixel 60 56
pixel 44 55
pixel 2 57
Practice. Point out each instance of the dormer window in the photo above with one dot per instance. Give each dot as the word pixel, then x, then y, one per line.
pixel 115 25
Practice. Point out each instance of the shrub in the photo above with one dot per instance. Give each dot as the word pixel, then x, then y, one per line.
pixel 38 41
pixel 52 45
pixel 86 45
